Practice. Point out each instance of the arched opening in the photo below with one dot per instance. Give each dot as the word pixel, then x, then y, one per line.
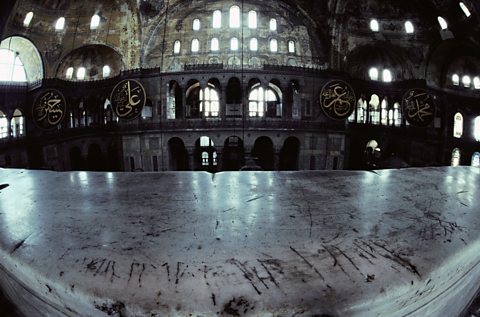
pixel 3 125
pixel 17 124
pixel 293 100
pixel 476 159
pixel 206 158
pixel 76 159
pixel 458 125
pixel 178 155
pixel 476 129
pixel 263 152
pixel 289 154
pixel 374 109
pixel 25 61
pixel 233 154
pixel 193 99
pixel 95 158
pixel 264 101
pixel 203 102
pixel 455 161
pixel 234 98
pixel 174 101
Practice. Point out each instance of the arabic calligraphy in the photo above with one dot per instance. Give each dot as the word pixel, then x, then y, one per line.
pixel 49 109
pixel 128 99
pixel 418 107
pixel 337 100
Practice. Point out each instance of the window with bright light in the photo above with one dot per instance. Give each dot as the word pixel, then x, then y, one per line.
pixel 28 19
pixel 409 29
pixel 205 158
pixel 60 24
pixel 252 20
pixel 106 71
pixel 476 129
pixel 387 75
pixel 464 8
pixel 455 79
pixel 217 19
pixel 18 124
pixel 273 25
pixel 384 112
pixel 273 45
pixel 205 141
pixel 466 81
pixel 476 82
pixel 195 45
pixel 81 73
pixel 373 73
pixel 69 73
pixel 291 46
pixel 253 44
pixel 374 26
pixel 3 126
pixel 214 45
pixel 258 98
pixel 234 44
pixel 397 115
pixel 11 67
pixel 455 157
pixel 443 23
pixel 196 25
pixel 234 17
pixel 209 102
pixel 476 159
pixel 458 125
pixel 95 22
pixel 176 47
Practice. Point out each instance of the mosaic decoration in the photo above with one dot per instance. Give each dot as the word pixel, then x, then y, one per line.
pixel 337 100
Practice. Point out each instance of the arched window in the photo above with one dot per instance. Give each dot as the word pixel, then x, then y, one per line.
pixel 409 29
pixel 60 24
pixel 476 129
pixel 176 47
pixel 455 80
pixel 81 73
pixel 291 46
pixel 373 73
pixel 374 109
pixel 69 73
pixel 252 20
pixel 442 22
pixel 397 115
pixel 361 110
pixel 209 101
pixel 466 81
pixel 95 22
pixel 196 25
pixel 476 82
pixel 253 44
pixel 273 25
pixel 387 75
pixel 205 158
pixel 458 125
pixel 217 19
pixel 384 112
pixel 3 125
pixel 464 8
pixel 28 19
pixel 374 26
pixel 214 44
pixel 106 71
pixel 234 44
pixel 455 157
pixel 11 67
pixel 273 45
pixel 476 159
pixel 195 45
pixel 17 125
pixel 234 17
pixel 258 99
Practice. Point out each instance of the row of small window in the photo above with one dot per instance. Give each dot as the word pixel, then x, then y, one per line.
pixel 466 81
pixel 374 74
pixel 372 113
pixel 409 28
pixel 458 127
pixel 60 24
pixel 235 20
pixel 456 158
pixel 234 45
pixel 17 125
pixel 81 72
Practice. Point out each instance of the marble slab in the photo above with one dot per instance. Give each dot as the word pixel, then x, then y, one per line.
pixel 312 243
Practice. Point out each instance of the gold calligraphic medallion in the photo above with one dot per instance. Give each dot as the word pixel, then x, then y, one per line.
pixel 418 107
pixel 49 109
pixel 128 99
pixel 337 100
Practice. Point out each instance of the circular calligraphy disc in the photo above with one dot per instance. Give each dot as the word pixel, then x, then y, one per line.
pixel 337 100
pixel 128 99
pixel 418 107
pixel 49 109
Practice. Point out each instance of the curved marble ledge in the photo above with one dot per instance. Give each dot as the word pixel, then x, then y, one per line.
pixel 341 243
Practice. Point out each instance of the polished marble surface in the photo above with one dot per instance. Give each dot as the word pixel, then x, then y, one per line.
pixel 340 243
